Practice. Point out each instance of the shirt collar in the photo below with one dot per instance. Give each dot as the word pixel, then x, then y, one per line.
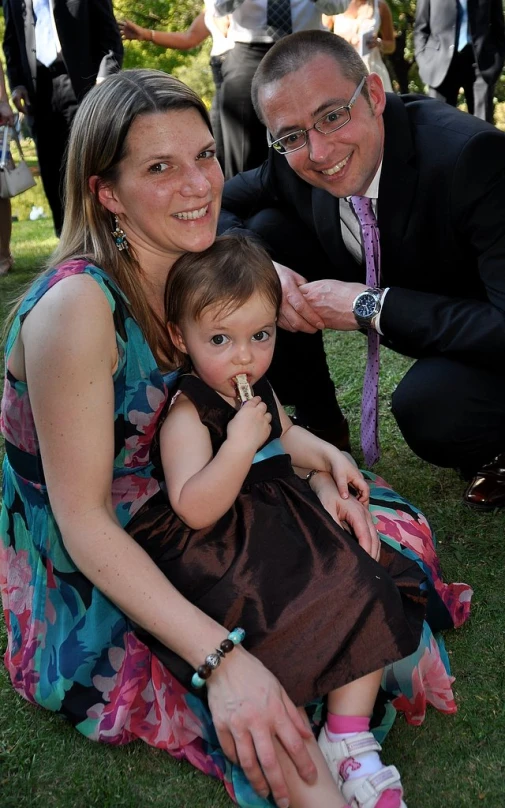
pixel 373 189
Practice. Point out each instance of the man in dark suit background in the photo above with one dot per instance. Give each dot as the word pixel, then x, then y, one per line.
pixel 55 51
pixel 436 179
pixel 461 44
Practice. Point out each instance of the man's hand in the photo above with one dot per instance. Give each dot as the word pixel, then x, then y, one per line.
pixel 21 99
pixel 332 301
pixel 296 313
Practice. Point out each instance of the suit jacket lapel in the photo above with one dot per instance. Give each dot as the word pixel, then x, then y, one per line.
pixel 326 215
pixel 398 182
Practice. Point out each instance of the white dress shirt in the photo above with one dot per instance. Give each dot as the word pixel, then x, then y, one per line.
pixel 249 17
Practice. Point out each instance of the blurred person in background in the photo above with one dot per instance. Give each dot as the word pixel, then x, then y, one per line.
pixel 54 56
pixel 6 119
pixel 254 27
pixel 368 26
pixel 461 44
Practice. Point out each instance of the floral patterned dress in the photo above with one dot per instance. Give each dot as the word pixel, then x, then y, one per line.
pixel 72 651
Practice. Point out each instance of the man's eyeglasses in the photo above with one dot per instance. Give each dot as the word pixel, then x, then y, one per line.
pixel 329 123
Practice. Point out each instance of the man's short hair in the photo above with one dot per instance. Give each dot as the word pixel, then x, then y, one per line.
pixel 294 51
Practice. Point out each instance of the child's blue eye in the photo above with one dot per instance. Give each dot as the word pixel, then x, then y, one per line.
pixel 219 339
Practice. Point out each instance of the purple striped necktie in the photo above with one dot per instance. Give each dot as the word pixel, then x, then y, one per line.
pixel 362 206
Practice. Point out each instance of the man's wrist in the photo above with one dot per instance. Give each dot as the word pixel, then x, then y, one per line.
pixel 376 321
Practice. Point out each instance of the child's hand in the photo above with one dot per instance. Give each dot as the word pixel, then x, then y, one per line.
pixel 251 425
pixel 345 474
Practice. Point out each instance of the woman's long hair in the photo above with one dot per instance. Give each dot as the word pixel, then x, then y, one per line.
pixel 96 146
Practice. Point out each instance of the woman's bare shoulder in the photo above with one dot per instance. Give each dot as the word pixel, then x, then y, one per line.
pixel 73 317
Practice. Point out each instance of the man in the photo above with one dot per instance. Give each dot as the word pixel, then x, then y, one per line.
pixel 435 178
pixel 55 52
pixel 461 44
pixel 254 26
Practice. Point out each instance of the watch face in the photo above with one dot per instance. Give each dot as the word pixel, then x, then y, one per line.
pixel 366 305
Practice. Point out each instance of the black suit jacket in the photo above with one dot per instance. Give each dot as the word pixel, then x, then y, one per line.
pixel 435 32
pixel 441 216
pixel 89 36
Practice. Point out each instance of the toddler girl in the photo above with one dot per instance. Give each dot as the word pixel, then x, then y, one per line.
pixel 246 540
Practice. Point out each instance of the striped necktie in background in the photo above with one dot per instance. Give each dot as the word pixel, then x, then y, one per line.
pixel 279 19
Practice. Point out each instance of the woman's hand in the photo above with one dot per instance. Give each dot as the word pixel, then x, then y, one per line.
pixel 129 30
pixel 249 709
pixel 348 513
pixel 374 42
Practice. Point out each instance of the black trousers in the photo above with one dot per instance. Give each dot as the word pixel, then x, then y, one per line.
pixel 53 111
pixel 244 136
pixel 216 63
pixel 463 73
pixel 449 413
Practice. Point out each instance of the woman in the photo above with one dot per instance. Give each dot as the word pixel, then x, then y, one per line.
pixel 6 119
pixel 87 377
pixel 368 26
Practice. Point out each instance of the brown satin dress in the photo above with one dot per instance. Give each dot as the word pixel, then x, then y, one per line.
pixel 317 610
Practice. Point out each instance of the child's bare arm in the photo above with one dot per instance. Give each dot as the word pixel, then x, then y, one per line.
pixel 309 451
pixel 202 488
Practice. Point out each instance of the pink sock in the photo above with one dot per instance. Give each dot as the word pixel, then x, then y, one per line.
pixel 347 724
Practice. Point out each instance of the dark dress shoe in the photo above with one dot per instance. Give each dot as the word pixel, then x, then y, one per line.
pixel 336 435
pixel 487 489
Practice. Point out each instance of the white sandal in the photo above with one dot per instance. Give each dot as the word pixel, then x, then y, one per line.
pixel 360 792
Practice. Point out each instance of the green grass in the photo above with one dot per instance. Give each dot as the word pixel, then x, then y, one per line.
pixel 450 762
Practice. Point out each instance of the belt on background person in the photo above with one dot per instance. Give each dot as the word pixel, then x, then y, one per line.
pixel 57 68
pixel 217 60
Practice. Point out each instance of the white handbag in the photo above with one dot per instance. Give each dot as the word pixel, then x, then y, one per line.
pixel 14 179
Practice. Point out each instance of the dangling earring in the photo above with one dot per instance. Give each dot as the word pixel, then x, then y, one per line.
pixel 119 236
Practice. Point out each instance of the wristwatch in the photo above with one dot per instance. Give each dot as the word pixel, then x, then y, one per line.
pixel 367 306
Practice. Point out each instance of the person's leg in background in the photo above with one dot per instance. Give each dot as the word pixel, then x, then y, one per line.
pixel 483 97
pixel 54 110
pixel 299 372
pixel 244 136
pixel 6 260
pixel 216 63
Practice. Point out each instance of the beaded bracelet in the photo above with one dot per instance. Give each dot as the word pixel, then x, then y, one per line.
pixel 213 660
pixel 311 474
